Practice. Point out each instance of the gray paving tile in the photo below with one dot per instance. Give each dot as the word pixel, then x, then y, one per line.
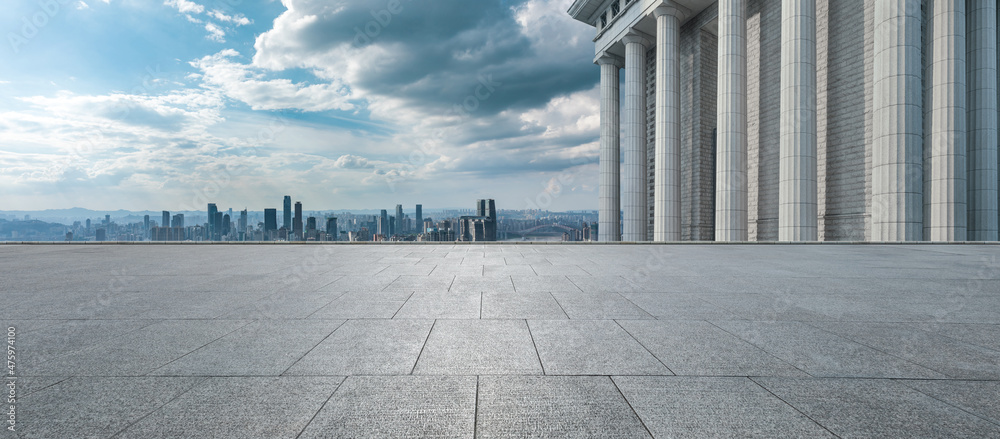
pixel 239 407
pixel 359 283
pixel 399 260
pixel 438 305
pixel 407 270
pixel 982 335
pixel 521 306
pixel 537 406
pixel 367 347
pixel 421 283
pixel 138 352
pixel 665 284
pixel 558 270
pixel 701 407
pixel 675 306
pixel 528 283
pixel 820 353
pixel 476 260
pixel 50 342
pixel 95 407
pixel 603 284
pixel 591 347
pixel 262 348
pixel 509 270
pixel 446 268
pixel 479 347
pixel 700 348
pixel 951 357
pixel 479 284
pixel 26 385
pixel 398 406
pixel 976 397
pixel 363 305
pixel 599 306
pixel 284 306
pixel 876 408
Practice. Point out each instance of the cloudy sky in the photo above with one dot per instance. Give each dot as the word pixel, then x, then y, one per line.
pixel 152 104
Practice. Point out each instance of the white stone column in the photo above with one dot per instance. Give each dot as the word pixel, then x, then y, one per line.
pixel 897 123
pixel 667 175
pixel 635 210
pixel 981 55
pixel 797 172
pixel 731 153
pixel 609 215
pixel 945 203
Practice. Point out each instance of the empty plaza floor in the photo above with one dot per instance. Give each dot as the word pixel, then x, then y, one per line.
pixel 505 340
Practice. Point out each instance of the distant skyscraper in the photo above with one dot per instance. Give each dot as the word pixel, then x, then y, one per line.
pixel 392 226
pixel 178 220
pixel 420 218
pixel 145 223
pixel 227 222
pixel 288 212
pixel 270 222
pixel 331 229
pixel 311 223
pixel 243 225
pixel 166 219
pixel 212 211
pixel 399 220
pixel 297 221
pixel 483 226
pixel 218 226
pixel 383 223
pixel 107 220
pixel 101 235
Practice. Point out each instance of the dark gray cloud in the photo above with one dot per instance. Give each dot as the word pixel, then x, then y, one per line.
pixel 438 54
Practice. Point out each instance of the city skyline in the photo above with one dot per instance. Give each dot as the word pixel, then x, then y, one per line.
pixel 189 101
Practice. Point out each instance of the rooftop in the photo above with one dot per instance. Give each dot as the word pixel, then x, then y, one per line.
pixel 504 340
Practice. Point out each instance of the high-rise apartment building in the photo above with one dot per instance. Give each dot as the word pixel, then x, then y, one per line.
pixel 331 229
pixel 419 219
pixel 288 212
pixel 399 220
pixel 270 224
pixel 242 225
pixel 482 226
pixel 383 223
pixel 297 222
pixel 212 213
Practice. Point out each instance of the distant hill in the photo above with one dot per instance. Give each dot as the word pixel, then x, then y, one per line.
pixel 33 230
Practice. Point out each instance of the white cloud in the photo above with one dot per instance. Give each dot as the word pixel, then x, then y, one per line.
pixel 238 19
pixel 82 5
pixel 349 161
pixel 215 33
pixel 185 6
pixel 246 84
